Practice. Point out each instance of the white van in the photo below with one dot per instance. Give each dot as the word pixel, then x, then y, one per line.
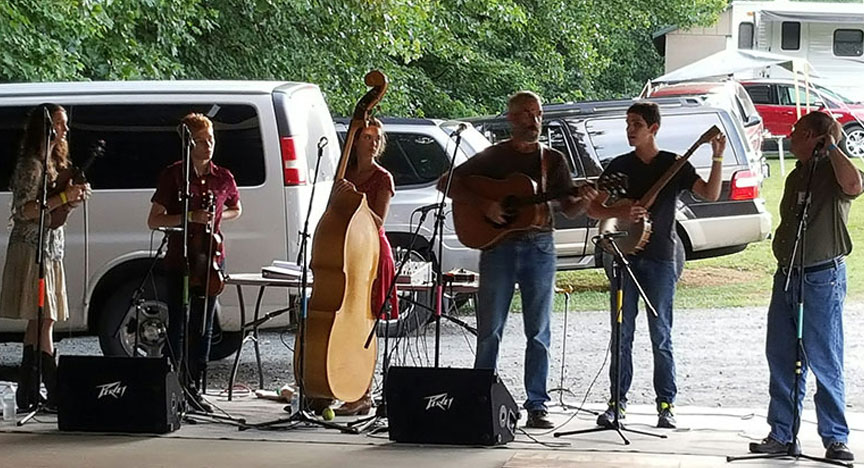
pixel 267 134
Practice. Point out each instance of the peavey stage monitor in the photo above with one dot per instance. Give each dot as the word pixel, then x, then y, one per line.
pixel 118 394
pixel 449 406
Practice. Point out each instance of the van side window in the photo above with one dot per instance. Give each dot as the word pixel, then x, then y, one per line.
pixel 745 35
pixel 790 35
pixel 142 139
pixel 414 159
pixel 761 94
pixel 848 42
pixel 11 129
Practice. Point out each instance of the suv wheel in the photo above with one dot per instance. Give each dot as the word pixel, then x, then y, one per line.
pixel 853 144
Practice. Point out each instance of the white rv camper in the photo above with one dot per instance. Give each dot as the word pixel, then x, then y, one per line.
pixel 828 35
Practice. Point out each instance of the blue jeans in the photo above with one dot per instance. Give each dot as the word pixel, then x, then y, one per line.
pixel 822 336
pixel 658 279
pixel 530 261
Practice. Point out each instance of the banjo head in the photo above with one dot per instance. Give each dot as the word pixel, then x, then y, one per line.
pixel 637 237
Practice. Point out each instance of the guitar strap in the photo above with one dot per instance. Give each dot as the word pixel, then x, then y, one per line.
pixel 544 166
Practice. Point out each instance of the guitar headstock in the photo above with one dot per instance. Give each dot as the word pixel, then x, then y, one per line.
pixel 97 148
pixel 613 183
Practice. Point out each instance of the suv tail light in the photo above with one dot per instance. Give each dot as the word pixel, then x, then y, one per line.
pixel 291 172
pixel 744 186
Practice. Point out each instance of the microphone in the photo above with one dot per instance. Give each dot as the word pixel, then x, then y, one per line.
pixel 819 150
pixel 168 229
pixel 427 208
pixel 185 134
pixel 461 128
pixel 611 235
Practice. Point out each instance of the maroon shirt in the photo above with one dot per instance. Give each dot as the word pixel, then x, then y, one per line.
pixel 219 181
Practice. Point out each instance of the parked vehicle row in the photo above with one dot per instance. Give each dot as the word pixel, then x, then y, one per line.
pixel 268 135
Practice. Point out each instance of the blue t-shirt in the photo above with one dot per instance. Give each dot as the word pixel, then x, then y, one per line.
pixel 641 176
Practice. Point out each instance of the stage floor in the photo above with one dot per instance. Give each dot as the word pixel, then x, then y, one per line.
pixel 704 438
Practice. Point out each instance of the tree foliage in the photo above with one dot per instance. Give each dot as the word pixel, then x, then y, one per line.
pixel 445 58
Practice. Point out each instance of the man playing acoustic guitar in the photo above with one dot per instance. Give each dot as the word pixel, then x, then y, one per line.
pixel 655 265
pixel 525 256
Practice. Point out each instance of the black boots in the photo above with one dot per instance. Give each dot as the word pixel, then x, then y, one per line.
pixel 49 378
pixel 28 380
pixel 28 394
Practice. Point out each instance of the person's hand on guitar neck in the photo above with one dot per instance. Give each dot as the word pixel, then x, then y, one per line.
pixel 76 193
pixel 574 205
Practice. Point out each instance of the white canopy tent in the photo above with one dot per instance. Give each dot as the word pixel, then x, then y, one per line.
pixel 730 61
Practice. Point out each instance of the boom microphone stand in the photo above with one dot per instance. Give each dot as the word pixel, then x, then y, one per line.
pixel 617 303
pixel 50 135
pixel 302 414
pixel 381 410
pixel 793 449
pixel 438 235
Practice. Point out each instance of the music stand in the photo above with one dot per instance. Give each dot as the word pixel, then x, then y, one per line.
pixel 50 135
pixel 793 449
pixel 561 389
pixel 616 307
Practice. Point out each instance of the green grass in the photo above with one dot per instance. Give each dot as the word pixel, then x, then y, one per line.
pixel 741 279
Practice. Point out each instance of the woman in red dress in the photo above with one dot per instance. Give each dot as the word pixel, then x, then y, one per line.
pixel 366 176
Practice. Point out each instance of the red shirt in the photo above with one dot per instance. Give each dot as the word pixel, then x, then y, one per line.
pixel 218 180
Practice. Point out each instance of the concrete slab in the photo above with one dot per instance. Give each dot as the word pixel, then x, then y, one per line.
pixel 704 438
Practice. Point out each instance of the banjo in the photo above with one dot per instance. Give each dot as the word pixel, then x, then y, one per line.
pixel 639 232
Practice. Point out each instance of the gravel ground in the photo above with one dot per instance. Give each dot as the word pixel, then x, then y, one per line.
pixel 719 353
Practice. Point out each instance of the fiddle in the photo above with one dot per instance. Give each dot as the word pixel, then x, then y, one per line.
pixel 205 254
pixel 69 176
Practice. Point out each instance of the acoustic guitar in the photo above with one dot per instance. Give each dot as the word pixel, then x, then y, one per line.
pixel 639 232
pixel 524 208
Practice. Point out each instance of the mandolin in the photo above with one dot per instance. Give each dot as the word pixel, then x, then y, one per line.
pixel 524 208
pixel 639 232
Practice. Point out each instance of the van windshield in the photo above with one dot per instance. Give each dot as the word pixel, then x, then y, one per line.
pixel 677 133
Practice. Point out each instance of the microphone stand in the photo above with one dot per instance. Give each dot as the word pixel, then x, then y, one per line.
pixel 438 234
pixel 302 414
pixel 50 135
pixel 617 303
pixel 381 410
pixel 138 295
pixel 793 449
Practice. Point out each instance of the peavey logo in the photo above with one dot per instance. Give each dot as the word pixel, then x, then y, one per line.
pixel 440 401
pixel 113 389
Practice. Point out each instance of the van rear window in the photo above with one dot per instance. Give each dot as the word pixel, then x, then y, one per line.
pixel 142 139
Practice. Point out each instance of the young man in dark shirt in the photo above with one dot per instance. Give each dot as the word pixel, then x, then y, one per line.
pixel 207 181
pixel 524 257
pixel 835 183
pixel 654 266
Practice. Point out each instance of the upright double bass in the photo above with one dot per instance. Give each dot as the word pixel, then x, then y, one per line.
pixel 344 265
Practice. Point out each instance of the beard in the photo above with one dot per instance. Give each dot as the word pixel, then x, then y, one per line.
pixel 526 134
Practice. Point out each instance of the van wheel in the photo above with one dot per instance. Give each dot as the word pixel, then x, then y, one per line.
pixel 415 307
pixel 118 323
pixel 853 144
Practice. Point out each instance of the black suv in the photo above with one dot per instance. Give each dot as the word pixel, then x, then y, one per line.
pixel 592 133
